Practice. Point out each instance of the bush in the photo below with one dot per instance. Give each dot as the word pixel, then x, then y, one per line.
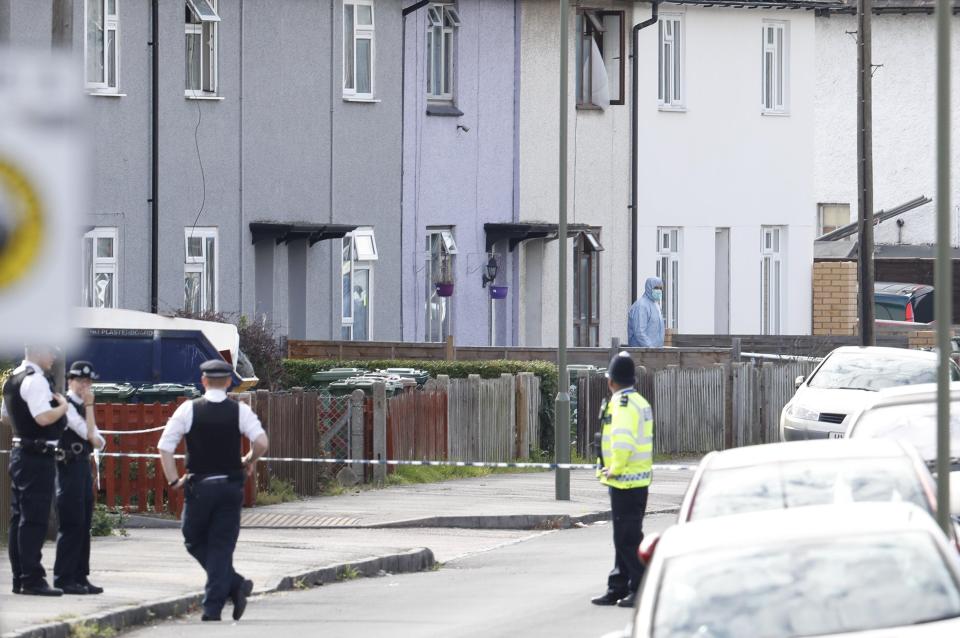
pixel 298 373
pixel 279 491
pixel 107 521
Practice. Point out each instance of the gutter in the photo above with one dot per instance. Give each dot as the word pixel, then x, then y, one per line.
pixel 416 6
pixel 634 170
pixel 155 157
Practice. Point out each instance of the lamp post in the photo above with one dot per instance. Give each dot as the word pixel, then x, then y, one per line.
pixel 561 434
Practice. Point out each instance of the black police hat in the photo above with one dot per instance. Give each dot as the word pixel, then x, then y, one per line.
pixel 216 369
pixel 622 370
pixel 82 370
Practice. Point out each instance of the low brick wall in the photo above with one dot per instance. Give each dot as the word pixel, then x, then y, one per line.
pixel 835 298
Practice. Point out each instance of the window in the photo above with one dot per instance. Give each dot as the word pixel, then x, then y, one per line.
pixel 200 270
pixel 101 47
pixel 774 240
pixel 670 91
pixel 443 21
pixel 830 217
pixel 201 46
pixel 586 291
pixel 359 251
pixel 600 49
pixel 358 49
pixel 441 248
pixel 100 268
pixel 668 269
pixel 775 67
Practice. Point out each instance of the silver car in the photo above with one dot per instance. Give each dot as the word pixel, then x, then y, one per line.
pixel 876 570
pixel 909 415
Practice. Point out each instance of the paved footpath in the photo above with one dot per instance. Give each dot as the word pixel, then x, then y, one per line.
pixel 148 574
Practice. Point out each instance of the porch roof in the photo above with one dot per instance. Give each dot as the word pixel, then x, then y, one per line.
pixel 286 232
pixel 517 232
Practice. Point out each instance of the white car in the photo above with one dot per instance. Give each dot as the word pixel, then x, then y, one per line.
pixel 833 395
pixel 909 415
pixel 873 570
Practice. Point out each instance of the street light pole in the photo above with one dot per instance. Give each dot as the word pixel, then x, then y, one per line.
pixel 865 170
pixel 561 434
pixel 944 268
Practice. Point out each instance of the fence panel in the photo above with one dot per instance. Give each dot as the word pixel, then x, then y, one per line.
pixel 417 424
pixel 497 398
pixel 778 387
pixel 746 405
pixel 591 392
pixel 334 428
pixel 690 410
pixel 528 414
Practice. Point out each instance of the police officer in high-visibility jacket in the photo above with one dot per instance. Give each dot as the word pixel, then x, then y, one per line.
pixel 625 466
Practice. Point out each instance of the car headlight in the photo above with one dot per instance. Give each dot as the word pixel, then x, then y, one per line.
pixel 800 412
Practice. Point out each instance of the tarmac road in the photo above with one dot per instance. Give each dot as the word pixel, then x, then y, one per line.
pixel 536 586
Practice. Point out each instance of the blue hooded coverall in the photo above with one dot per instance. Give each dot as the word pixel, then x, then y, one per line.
pixel 645 321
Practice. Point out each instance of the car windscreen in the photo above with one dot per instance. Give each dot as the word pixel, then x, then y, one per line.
pixel 800 483
pixel 873 371
pixel 915 424
pixel 793 589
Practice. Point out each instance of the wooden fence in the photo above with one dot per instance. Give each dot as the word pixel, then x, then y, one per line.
pixel 690 410
pixel 417 424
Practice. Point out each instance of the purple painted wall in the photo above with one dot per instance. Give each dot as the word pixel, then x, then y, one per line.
pixel 460 178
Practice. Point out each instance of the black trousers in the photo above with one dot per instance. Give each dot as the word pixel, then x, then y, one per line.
pixel 628 507
pixel 211 526
pixel 75 513
pixel 32 478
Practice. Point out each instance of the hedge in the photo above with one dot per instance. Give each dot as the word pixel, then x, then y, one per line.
pixel 298 373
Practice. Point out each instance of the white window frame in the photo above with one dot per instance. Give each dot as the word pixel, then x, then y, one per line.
pixel 671 78
pixel 669 270
pixel 772 276
pixel 110 63
pixel 822 208
pixel 775 65
pixel 443 19
pixel 198 264
pixel 207 26
pixel 360 32
pixel 357 261
pixel 448 249
pixel 99 265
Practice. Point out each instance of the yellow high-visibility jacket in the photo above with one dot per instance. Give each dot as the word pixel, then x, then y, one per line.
pixel 626 447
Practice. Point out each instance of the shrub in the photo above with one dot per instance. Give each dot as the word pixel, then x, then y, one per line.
pixel 107 521
pixel 298 373
pixel 279 491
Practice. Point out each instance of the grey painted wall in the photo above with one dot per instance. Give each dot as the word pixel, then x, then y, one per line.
pixel 270 151
pixel 455 177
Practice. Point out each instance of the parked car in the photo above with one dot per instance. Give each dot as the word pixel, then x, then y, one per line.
pixel 876 570
pixel 803 474
pixel 826 402
pixel 903 302
pixel 909 415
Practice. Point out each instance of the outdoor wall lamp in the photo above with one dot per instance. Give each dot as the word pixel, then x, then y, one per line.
pixel 490 271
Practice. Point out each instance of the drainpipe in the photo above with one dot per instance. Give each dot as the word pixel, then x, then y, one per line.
pixel 416 6
pixel 634 172
pixel 155 157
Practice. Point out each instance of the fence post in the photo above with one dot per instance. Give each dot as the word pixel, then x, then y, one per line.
pixel 443 384
pixel 474 415
pixel 380 431
pixel 450 349
pixel 357 399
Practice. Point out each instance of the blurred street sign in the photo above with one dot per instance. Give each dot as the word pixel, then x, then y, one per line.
pixel 42 165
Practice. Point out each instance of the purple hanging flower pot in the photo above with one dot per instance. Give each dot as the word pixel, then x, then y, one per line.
pixel 444 290
pixel 498 292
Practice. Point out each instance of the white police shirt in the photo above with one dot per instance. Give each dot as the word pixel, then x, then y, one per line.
pixel 35 391
pixel 78 423
pixel 182 420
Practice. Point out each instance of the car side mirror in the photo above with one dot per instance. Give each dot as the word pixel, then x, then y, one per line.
pixel 798 382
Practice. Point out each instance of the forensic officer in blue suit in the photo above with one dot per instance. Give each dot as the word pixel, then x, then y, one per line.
pixel 75 497
pixel 37 416
pixel 213 426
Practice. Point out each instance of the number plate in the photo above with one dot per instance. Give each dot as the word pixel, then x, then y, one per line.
pixel 836 435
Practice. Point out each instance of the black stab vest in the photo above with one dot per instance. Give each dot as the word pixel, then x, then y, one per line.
pixel 213 442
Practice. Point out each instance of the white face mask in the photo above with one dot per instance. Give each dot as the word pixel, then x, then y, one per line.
pixel 657 295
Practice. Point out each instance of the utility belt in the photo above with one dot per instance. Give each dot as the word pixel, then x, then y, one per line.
pixel 39 447
pixel 76 451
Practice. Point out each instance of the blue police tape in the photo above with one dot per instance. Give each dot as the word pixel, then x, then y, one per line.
pixel 493 464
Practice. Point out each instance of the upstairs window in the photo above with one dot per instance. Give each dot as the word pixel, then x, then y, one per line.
pixel 443 22
pixel 201 47
pixel 358 49
pixel 200 270
pixel 101 46
pixel 670 91
pixel 775 67
pixel 100 268
pixel 599 52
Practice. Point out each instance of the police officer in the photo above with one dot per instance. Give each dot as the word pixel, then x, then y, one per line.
pixel 626 468
pixel 75 484
pixel 37 416
pixel 213 484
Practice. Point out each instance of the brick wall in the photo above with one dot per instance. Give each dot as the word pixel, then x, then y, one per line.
pixel 835 298
pixel 923 339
